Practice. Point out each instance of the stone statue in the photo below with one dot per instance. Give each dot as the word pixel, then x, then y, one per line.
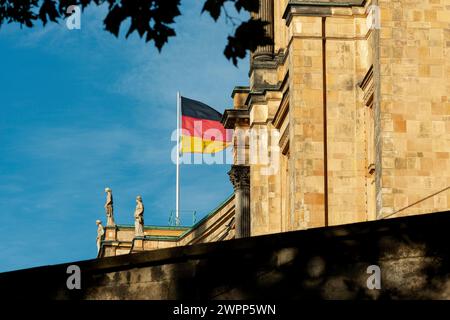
pixel 139 217
pixel 100 233
pixel 109 208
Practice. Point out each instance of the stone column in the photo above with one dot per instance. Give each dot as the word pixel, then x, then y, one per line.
pixel 265 14
pixel 240 178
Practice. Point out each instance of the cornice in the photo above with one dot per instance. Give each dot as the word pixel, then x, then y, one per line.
pixel 242 89
pixel 368 87
pixel 230 116
pixel 282 111
pixel 284 142
pixel 317 8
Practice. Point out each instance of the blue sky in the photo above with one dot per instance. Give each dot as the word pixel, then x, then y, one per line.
pixel 82 110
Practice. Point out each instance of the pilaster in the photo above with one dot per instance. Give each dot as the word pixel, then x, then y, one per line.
pixel 240 178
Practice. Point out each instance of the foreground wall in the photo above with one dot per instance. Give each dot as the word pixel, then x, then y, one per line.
pixel 412 253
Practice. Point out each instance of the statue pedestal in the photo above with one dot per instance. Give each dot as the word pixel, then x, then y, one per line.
pixel 111 233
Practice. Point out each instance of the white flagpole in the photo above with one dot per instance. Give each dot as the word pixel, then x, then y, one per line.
pixel 177 195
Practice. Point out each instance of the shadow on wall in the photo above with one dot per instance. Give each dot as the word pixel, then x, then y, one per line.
pixel 324 263
pixel 331 265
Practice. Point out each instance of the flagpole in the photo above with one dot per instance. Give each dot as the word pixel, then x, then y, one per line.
pixel 177 192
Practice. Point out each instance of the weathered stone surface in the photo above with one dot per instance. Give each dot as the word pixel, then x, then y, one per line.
pixel 321 263
pixel 362 110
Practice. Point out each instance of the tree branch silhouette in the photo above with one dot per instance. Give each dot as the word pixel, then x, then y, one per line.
pixel 152 20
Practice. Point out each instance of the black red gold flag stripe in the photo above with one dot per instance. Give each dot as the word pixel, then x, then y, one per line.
pixel 202 131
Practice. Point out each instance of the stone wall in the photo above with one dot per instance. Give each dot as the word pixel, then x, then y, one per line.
pixel 328 52
pixel 119 239
pixel 363 113
pixel 321 263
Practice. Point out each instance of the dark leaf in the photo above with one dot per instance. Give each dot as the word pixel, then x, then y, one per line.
pixel 113 20
pixel 248 36
pixel 214 8
pixel 248 5
pixel 161 35
pixel 48 9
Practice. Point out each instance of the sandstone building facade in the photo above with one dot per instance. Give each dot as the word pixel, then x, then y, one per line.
pixel 359 94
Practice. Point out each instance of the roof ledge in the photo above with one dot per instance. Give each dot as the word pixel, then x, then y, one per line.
pixel 318 8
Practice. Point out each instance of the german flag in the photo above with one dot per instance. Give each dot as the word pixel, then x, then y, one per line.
pixel 202 131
